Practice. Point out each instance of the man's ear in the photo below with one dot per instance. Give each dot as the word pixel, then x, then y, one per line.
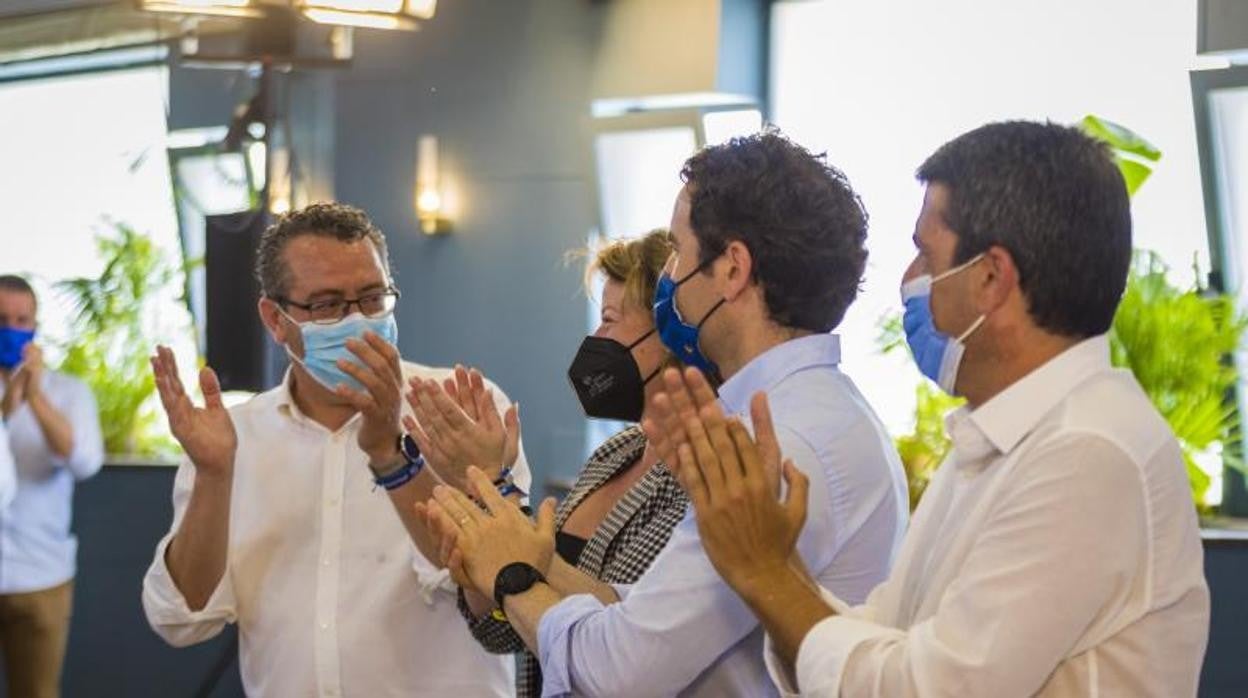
pixel 272 318
pixel 996 280
pixel 740 265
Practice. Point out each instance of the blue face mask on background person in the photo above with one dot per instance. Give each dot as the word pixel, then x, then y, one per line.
pixel 12 341
pixel 937 354
pixel 678 336
pixel 323 345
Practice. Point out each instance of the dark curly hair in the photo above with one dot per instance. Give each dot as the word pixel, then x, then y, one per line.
pixel 338 221
pixel 804 226
pixel 1054 198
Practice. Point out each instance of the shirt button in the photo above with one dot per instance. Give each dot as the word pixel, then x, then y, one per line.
pixel 333 502
pixel 325 562
pixel 324 626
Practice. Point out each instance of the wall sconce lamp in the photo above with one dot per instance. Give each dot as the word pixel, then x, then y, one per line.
pixel 429 199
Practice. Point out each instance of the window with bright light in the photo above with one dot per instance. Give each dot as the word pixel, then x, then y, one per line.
pixel 638 172
pixel 638 180
pixel 84 154
pixel 879 86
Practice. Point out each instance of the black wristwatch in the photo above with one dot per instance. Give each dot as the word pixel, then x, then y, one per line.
pixel 515 578
pixel 409 454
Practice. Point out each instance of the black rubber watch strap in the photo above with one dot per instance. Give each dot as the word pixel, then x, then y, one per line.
pixel 515 578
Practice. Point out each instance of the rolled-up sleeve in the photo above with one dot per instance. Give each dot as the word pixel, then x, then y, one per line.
pixel 163 603
pixel 674 622
pixel 1010 615
pixel 783 678
pixel 87 455
pixel 495 636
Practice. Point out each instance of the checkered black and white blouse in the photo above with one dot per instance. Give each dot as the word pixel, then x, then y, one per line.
pixel 621 549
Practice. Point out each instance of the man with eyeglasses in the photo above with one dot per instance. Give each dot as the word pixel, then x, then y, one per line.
pixel 280 523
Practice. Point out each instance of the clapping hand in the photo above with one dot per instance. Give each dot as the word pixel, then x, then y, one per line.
pixel 456 424
pixel 206 433
pixel 732 478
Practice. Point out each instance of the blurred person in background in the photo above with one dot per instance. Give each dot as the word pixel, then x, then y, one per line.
pixel 50 439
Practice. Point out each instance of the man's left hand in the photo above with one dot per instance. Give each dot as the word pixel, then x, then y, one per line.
pixel 487 541
pixel 733 480
pixel 381 403
pixel 32 366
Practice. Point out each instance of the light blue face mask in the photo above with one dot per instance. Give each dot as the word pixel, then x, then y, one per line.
pixel 323 345
pixel 937 354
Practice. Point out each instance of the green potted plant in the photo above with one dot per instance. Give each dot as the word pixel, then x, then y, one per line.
pixel 111 338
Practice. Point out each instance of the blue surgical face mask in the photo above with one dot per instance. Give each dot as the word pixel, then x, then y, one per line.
pixel 937 354
pixel 12 341
pixel 678 336
pixel 323 345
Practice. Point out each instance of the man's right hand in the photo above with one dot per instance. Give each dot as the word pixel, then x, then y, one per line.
pixel 14 392
pixel 205 433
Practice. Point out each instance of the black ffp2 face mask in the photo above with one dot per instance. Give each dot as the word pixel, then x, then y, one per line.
pixel 607 380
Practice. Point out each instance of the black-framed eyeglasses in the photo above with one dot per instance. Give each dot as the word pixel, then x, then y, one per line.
pixel 327 312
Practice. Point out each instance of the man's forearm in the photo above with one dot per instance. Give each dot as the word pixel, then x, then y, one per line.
pixel 9 403
pixel 568 581
pixel 789 606
pixel 404 499
pixel 525 611
pixel 57 430
pixel 196 557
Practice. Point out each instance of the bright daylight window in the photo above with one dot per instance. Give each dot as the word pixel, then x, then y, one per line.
pixel 880 85
pixel 638 173
pixel 86 155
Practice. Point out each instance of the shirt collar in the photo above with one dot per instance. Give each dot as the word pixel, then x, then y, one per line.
pixel 1010 416
pixel 777 363
pixel 284 401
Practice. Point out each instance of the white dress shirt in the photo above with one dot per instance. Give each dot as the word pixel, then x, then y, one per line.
pixel 331 596
pixel 8 470
pixel 37 551
pixel 680 629
pixel 1056 553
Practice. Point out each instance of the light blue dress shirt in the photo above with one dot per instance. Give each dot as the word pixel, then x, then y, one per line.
pixel 37 551
pixel 680 629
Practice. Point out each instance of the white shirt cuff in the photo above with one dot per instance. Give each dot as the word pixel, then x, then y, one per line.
pixel 554 641
pixel 621 590
pixel 810 672
pixel 430 580
pixel 167 604
pixel 825 651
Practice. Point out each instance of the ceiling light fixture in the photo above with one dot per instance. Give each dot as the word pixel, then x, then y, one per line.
pixel 222 8
pixel 373 14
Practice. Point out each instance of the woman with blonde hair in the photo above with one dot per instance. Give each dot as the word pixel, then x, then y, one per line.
pixel 621 510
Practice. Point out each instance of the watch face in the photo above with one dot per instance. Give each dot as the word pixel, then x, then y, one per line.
pixel 519 578
pixel 516 578
pixel 409 448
